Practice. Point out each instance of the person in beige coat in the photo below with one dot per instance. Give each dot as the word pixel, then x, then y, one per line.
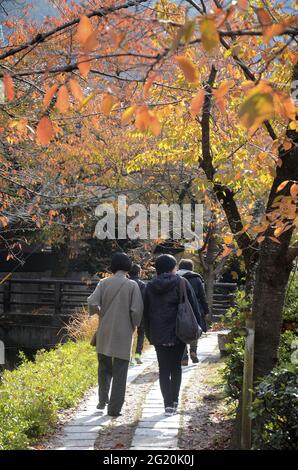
pixel 118 302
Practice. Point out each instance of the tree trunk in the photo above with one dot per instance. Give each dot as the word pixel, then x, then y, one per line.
pixel 269 294
pixel 275 264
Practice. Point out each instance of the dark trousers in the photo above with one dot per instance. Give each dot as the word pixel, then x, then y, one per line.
pixel 115 370
pixel 140 339
pixel 169 362
pixel 193 346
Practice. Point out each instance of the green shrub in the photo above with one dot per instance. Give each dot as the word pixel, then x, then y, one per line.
pixel 32 395
pixel 290 313
pixel 276 409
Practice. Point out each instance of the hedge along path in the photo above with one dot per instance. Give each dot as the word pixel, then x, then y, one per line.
pixel 154 430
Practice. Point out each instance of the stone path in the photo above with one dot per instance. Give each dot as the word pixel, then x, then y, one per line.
pixel 156 431
pixel 80 433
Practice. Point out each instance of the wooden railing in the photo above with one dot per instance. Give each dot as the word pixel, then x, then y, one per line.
pixel 44 295
pixel 62 296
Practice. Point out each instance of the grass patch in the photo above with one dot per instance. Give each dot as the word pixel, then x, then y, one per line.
pixel 32 395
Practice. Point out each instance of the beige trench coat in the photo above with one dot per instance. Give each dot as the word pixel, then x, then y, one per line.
pixel 119 317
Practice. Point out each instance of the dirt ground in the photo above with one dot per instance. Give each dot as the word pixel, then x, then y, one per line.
pixel 207 417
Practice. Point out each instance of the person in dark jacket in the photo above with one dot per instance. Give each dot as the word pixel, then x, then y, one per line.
pixel 134 274
pixel 161 302
pixel 197 283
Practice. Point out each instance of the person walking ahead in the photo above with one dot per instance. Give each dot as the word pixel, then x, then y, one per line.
pixel 196 281
pixel 118 302
pixel 134 274
pixel 161 300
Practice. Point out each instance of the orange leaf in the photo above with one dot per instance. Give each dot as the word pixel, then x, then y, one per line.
pixel 8 87
pixel 91 43
pixel 154 125
pixel 260 228
pixel 76 90
pixel 274 239
pixel 197 103
pixel 84 30
pixel 128 114
pixel 210 36
pixel 107 103
pixel 239 252
pixel 243 4
pixel 146 119
pixel 117 38
pixel 264 18
pixel 49 95
pixel 221 92
pixel 294 190
pixel 226 251
pixel 277 28
pixel 62 102
pixel 188 68
pixel 84 66
pixel 148 84
pixel 282 186
pixel 44 131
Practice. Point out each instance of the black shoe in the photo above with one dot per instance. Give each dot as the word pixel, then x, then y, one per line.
pixel 184 362
pixel 101 406
pixel 194 357
pixel 114 415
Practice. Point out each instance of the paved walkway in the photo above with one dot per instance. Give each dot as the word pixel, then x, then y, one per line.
pixel 154 430
pixel 80 433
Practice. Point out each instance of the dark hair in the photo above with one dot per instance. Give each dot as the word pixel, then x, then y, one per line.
pixel 120 262
pixel 135 270
pixel 165 264
pixel 186 264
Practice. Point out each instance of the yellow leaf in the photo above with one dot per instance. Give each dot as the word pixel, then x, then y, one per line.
pixel 197 103
pixel 86 101
pixel 128 115
pixel 107 103
pixel 49 95
pixel 62 102
pixel 44 131
pixel 257 107
pixel 210 36
pixel 76 90
pixel 228 240
pixel 8 87
pixel 188 68
pixel 238 252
